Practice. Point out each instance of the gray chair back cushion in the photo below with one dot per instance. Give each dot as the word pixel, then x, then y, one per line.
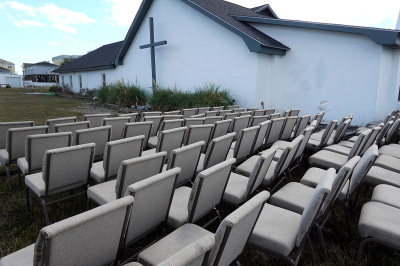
pixel 72 127
pixel 172 139
pixel 300 150
pixel 258 113
pixel 193 121
pixel 245 142
pixel 223 112
pixel 256 120
pixel 371 139
pixel 155 113
pixel 211 113
pixel 119 150
pixel 260 169
pixel 392 130
pixel 328 132
pixel 217 150
pixel 90 238
pixel 96 120
pixel 240 123
pixel 117 124
pixel 62 120
pixel 231 116
pixel 231 107
pixel 15 143
pixel 264 128
pixel 217 108
pixel 212 119
pixel 275 131
pixel 269 111
pixel 4 126
pixel 199 133
pixel 294 112
pixel 208 189
pixel 172 117
pixel 301 124
pixel 359 143
pixel 383 132
pixel 137 129
pixel 156 123
pixel 234 231
pixel 66 168
pixel 220 128
pixel 293 148
pixel 152 200
pixel 203 110
pixel 98 135
pixel 132 116
pixel 186 113
pixel 245 113
pixel 37 145
pixel 238 110
pixel 177 112
pixel 171 124
pixel 186 158
pixel 341 130
pixel 198 115
pixel 137 169
pixel 288 127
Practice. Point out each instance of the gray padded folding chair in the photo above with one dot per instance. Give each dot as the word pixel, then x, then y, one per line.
pixel 240 123
pixel 4 126
pixel 98 135
pixel 231 116
pixel 203 110
pixel 245 113
pixel 172 117
pixel 316 145
pixel 252 109
pixel 178 112
pixel 137 129
pixel 114 153
pixel 217 108
pixel 220 129
pixel 269 111
pixel 288 127
pixel 274 116
pixel 193 121
pixel 63 170
pixel 72 127
pixel 294 112
pixel 223 112
pixel 238 110
pixel 255 120
pixel 67 242
pixel 61 120
pixel 258 113
pixel 154 113
pixel 133 116
pixel 117 124
pixel 212 119
pixel 211 113
pixel 186 113
pixel 198 115
pixel 96 120
pixel 165 125
pixel 301 124
pixel 156 123
pixel 244 144
pixel 15 146
pixel 275 131
pixel 199 133
pixel 262 132
pixel 231 107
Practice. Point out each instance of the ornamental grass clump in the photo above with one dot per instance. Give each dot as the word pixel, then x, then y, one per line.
pixel 122 94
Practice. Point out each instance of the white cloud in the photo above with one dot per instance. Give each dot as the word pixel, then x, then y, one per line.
pixel 1 6
pixel 26 56
pixel 54 43
pixel 31 23
pixel 65 28
pixel 124 11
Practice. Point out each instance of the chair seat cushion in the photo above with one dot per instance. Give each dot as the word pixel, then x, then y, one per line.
pixel 4 156
pixel 378 175
pixel 276 230
pixel 233 145
pixel 312 176
pixel 281 144
pixel 338 149
pixel 230 155
pixel 380 221
pixel 388 162
pixel 152 142
pixel 346 143
pixel 390 150
pixel 277 154
pixel 36 183
pixel 23 165
pixel 171 244
pixel 200 165
pixel 247 166
pixel 353 139
pixel 148 152
pixel 388 195
pixel 97 172
pixel 103 193
pixel 21 257
pixel 327 159
pixel 270 175
pixel 313 144
pixel 236 188
pixel 178 213
pixel 293 197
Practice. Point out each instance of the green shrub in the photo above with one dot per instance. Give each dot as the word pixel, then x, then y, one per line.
pixel 122 94
pixel 167 99
pixel 55 88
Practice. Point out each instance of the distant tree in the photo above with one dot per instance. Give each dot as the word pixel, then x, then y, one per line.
pixel 67 61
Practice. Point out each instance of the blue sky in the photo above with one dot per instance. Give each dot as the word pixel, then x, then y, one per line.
pixel 34 31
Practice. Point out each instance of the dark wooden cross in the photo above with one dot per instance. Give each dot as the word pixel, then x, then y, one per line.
pixel 152 45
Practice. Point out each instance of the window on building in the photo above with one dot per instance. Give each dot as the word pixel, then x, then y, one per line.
pixel 70 82
pixel 62 81
pixel 80 81
pixel 9 66
pixel 103 79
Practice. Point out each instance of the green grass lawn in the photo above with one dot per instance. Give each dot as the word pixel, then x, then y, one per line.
pixel 18 228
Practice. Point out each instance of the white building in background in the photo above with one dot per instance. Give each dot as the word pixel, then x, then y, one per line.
pixel 285 64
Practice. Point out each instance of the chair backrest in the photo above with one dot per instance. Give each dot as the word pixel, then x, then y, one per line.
pixel 137 169
pixel 154 113
pixel 392 130
pixel 269 111
pixel 238 110
pixel 133 116
pixel 286 113
pixel 186 158
pixel 212 119
pixel 257 112
pixel 198 115
pixel 137 129
pixel 172 139
pixel 193 121
pixel 274 116
pixel 67 168
pixel 203 110
pixel 231 107
pixel 218 149
pixel 77 241
pixel 171 124
pixel 312 210
pixel 72 127
pixel 15 142
pixel 223 112
pixel 156 123
pixel 208 189
pixel 119 150
pixel 172 117
pixel 153 197
pixel 231 116
pixel 260 169
pixel 245 143
pixel 341 130
pixel 359 143
pixel 255 120
pixel 264 128
pixel 217 108
pixel 4 126
pixel 383 132
pixel 252 109
pixel 300 150
pixel 234 231
pixel 294 112
pixel 349 117
pixel 275 131
pixel 37 145
pixel 61 120
pixel 287 129
pixel 327 133
pixel 301 124
pixel 117 124
pixel 245 113
pixel 240 123
pixel 199 133
pixel 211 113
pixel 98 135
pixel 96 120
pixel 177 112
pixel 293 149
pixel 189 112
pixel 220 128
pixel 371 139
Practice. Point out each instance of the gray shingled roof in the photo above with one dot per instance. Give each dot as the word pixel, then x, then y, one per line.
pixel 102 57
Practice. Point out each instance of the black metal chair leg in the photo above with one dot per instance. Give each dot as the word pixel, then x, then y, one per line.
pixel 360 250
pixel 46 215
pixel 321 239
pixel 28 202
pixel 8 177
pixel 312 249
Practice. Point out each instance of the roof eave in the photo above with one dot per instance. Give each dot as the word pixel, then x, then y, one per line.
pixel 85 69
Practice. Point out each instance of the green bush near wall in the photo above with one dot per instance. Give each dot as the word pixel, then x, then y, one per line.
pixel 122 94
